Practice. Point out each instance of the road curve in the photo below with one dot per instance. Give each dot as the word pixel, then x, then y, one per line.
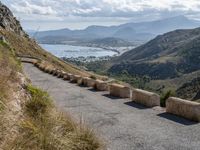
pixel 122 124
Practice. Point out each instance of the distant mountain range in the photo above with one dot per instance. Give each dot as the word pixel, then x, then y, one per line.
pixel 131 32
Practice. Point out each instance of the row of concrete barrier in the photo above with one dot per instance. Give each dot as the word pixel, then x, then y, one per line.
pixel 180 107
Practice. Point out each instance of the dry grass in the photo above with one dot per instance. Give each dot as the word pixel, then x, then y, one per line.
pixel 44 128
pixel 55 132
pixel 9 66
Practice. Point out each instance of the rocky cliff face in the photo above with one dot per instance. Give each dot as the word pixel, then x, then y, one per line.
pixel 9 22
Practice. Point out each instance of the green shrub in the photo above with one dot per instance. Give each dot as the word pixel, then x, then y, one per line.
pixel 164 97
pixel 39 103
pixel 93 77
pixel 5 44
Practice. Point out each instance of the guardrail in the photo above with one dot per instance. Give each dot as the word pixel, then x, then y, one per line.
pixel 184 108
pixel 146 98
pixel 27 56
pixel 176 106
pixel 118 90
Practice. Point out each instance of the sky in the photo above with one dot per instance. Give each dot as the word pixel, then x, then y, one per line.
pixel 78 14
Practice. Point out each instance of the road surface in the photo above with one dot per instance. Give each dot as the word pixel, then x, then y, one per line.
pixel 122 124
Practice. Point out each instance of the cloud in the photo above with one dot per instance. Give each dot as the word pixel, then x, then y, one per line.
pixel 88 10
pixel 102 8
pixel 28 7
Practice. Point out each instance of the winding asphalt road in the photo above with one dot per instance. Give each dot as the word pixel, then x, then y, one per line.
pixel 122 124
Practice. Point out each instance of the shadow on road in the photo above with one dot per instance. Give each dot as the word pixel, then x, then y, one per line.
pixel 177 119
pixel 111 97
pixel 133 104
pixel 93 90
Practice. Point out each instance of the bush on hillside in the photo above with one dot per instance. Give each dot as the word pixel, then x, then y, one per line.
pixel 164 97
pixel 93 77
pixel 39 103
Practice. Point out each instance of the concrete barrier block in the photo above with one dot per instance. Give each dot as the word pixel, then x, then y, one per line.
pixel 41 67
pixel 84 81
pixel 37 64
pixel 61 74
pixel 101 85
pixel 47 69
pixel 51 70
pixel 66 76
pixel 91 83
pixel 180 107
pixel 72 78
pixel 79 79
pixel 55 72
pixel 118 90
pixel 75 78
pixel 146 98
pixel 88 82
pixel 58 73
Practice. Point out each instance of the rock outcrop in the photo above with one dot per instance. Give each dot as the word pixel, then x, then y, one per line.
pixel 9 22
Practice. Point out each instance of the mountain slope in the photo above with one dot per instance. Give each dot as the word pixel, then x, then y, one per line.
pixel 166 56
pixel 190 89
pixel 169 61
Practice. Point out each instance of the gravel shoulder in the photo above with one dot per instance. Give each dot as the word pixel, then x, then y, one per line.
pixel 122 124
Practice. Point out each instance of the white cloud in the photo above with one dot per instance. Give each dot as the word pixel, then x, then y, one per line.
pixel 103 8
pixel 139 10
pixel 28 7
pixel 86 11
